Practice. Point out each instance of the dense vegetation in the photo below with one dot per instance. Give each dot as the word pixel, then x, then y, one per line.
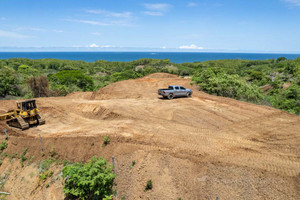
pixel 93 180
pixel 269 82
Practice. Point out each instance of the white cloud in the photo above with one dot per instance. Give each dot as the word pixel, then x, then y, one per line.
pixel 88 22
pixel 120 22
pixel 293 2
pixel 9 34
pixel 37 29
pixel 92 22
pixel 152 13
pixel 157 6
pixel 163 47
pixel 94 45
pixel 100 46
pixel 111 14
pixel 192 46
pixel 191 4
pixel 156 9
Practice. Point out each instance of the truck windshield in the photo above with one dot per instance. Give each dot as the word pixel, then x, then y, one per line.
pixel 170 87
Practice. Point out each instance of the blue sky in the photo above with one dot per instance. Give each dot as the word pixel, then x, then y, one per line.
pixel 138 25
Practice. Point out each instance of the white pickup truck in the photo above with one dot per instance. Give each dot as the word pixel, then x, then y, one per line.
pixel 175 91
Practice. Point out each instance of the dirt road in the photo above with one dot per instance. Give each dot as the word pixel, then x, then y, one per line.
pixel 191 148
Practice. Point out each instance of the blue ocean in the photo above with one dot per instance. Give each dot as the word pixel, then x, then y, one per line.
pixel 175 57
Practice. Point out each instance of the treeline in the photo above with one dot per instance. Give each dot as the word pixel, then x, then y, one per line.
pixel 269 82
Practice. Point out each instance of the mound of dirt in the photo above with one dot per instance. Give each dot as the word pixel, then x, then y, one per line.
pixel 145 87
pixel 191 148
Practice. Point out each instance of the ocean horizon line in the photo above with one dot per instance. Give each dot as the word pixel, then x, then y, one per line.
pixel 175 57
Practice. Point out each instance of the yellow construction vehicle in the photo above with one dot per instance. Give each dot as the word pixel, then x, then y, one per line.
pixel 25 115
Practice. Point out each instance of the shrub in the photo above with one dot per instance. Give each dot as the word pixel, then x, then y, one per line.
pixel 3 145
pixel 89 181
pixel 52 152
pixel 106 140
pixel 148 185
pixel 45 164
pixel 228 86
pixel 288 99
pixel 43 176
pixel 22 156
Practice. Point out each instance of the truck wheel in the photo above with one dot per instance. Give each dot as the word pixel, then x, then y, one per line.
pixel 170 96
pixel 188 94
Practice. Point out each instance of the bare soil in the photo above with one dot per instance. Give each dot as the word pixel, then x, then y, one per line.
pixel 191 148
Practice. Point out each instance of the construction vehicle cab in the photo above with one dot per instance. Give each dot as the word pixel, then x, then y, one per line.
pixel 25 115
pixel 26 105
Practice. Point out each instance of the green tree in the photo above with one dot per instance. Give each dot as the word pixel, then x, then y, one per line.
pixel 128 74
pixel 26 70
pixel 281 59
pixel 8 82
pixel 73 80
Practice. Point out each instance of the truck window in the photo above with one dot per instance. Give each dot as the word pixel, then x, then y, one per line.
pixel 176 88
pixel 170 87
pixel 182 88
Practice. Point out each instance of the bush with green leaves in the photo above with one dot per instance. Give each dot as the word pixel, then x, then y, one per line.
pixel 45 164
pixel 148 185
pixel 106 140
pixel 27 71
pixel 226 85
pixel 128 74
pixel 23 158
pixel 92 180
pixel 72 79
pixel 288 99
pixel 3 145
pixel 46 174
pixel 8 82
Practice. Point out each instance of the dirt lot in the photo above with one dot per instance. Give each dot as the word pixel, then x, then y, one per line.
pixel 191 148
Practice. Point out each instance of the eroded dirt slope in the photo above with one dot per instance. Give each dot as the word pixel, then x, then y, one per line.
pixel 191 148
